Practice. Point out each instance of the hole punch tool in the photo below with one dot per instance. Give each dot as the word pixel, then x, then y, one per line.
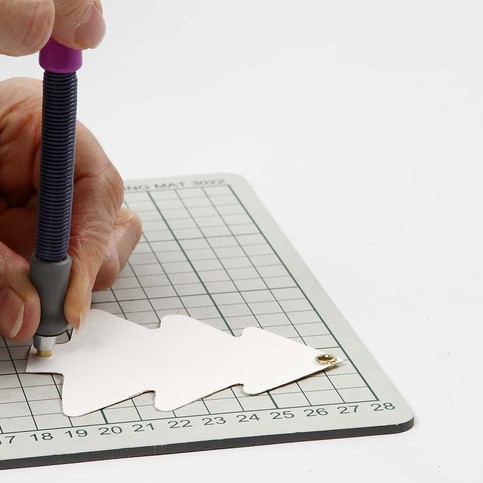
pixel 50 265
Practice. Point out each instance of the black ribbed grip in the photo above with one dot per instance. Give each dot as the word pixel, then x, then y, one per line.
pixel 57 165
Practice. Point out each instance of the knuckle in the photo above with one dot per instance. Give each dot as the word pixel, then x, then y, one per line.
pixel 105 278
pixel 108 272
pixel 71 10
pixel 133 221
pixel 115 186
pixel 11 264
pixel 39 19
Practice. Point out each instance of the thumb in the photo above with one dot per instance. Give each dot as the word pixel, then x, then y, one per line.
pixel 19 302
pixel 79 24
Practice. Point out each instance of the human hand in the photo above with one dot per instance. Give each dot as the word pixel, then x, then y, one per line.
pixel 102 235
pixel 26 25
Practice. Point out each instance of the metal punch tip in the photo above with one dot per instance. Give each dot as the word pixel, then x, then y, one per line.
pixel 44 353
pixel 44 345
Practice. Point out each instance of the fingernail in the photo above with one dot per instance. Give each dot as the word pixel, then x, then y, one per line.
pixel 18 322
pixel 91 28
pixel 85 309
pixel 12 309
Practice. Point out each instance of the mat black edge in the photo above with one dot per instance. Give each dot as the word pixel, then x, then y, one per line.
pixel 203 446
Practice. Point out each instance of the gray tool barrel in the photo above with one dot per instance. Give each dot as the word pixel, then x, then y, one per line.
pixel 51 280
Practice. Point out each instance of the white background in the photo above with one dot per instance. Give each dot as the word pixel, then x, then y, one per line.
pixel 360 126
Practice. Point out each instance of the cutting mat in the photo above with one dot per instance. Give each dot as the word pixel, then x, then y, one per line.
pixel 209 250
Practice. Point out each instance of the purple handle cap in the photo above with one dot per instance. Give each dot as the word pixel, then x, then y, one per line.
pixel 59 59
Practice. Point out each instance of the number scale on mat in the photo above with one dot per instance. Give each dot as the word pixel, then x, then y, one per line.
pixel 209 250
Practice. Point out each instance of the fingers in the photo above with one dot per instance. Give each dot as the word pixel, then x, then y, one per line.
pixel 79 24
pixel 19 302
pixel 98 195
pixel 102 234
pixel 26 25
pixel 125 235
